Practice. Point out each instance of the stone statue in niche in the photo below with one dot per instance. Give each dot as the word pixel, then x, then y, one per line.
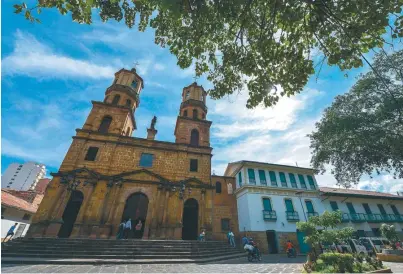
pixel 153 122
pixel 229 188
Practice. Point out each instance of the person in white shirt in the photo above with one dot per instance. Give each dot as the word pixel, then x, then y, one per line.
pixel 128 228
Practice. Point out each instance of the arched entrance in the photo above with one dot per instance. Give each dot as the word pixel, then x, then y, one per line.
pixel 190 220
pixel 136 210
pixel 70 213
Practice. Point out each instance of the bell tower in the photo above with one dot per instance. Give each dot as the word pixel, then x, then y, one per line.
pixel 192 128
pixel 115 115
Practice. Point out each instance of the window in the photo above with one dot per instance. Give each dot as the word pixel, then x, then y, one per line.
pixel 146 160
pixel 195 114
pixel 217 187
pixel 288 205
pixel 91 154
pixel 251 176
pixel 193 165
pixel 128 103
pixel 262 177
pixel 187 94
pixel 382 209
pixel 302 180
pixel 394 209
pixel 377 233
pixel 273 178
pixel 367 209
pixel 334 205
pixel 229 189
pixel 240 179
pixel 311 182
pixel 105 124
pixel 12 179
pixel 3 210
pixel 128 131
pixel 224 224
pixel 116 99
pixel 267 204
pixel 185 113
pixel 309 206
pixel 351 208
pixel 203 116
pixel 26 217
pixel 194 137
pixel 134 84
pixel 292 180
pixel 283 180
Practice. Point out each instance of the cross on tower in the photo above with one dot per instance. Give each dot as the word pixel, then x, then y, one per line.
pixel 135 64
pixel 195 78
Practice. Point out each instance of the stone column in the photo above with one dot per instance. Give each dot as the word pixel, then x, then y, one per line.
pixel 164 215
pixel 56 220
pixel 154 214
pixel 112 218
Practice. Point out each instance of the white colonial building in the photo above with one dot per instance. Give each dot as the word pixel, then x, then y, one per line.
pixel 271 199
pixel 365 210
pixel 22 176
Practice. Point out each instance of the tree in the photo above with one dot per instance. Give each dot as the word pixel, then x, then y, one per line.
pixel 265 45
pixel 389 232
pixel 362 131
pixel 327 233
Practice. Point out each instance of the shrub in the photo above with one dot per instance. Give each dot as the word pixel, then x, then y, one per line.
pixel 389 232
pixel 340 262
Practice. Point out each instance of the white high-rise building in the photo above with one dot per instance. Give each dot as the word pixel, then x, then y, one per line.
pixel 22 176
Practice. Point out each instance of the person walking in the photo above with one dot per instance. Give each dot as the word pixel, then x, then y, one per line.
pixel 139 226
pixel 231 238
pixel 121 230
pixel 128 228
pixel 10 232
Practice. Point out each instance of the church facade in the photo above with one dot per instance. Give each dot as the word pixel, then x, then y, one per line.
pixel 107 176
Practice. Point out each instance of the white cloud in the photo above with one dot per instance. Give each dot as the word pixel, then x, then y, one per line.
pixel 159 66
pixel 35 59
pixel 242 121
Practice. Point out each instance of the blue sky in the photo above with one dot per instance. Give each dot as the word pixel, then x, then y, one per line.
pixel 51 71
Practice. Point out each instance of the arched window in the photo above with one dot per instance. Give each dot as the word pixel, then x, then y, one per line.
pixel 217 187
pixel 106 99
pixel 128 103
pixel 203 116
pixel 128 131
pixel 195 114
pixel 116 99
pixel 187 94
pixel 194 137
pixel 185 113
pixel 105 124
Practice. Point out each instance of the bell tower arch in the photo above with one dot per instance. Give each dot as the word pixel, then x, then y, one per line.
pixel 192 128
pixel 115 115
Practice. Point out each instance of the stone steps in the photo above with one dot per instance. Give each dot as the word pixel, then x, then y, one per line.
pixel 48 250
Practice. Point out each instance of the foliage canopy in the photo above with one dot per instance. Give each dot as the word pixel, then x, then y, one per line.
pixel 362 131
pixel 267 46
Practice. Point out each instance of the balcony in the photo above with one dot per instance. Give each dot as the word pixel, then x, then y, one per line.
pixel 263 182
pixel 269 215
pixel 374 218
pixel 292 216
pixel 391 218
pixel 311 214
pixel 252 181
pixel 358 217
pixel 345 218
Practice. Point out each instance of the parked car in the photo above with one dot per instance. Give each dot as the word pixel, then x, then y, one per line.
pixel 358 247
pixel 370 244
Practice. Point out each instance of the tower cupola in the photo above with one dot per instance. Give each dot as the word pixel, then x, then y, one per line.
pixel 194 102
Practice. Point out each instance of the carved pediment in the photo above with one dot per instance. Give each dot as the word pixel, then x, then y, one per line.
pixel 194 182
pixel 141 174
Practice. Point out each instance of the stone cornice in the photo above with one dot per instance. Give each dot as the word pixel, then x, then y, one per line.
pixel 193 102
pixel 131 92
pixel 145 143
pixel 276 191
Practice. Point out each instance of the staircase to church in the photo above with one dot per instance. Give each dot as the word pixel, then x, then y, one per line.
pixel 100 251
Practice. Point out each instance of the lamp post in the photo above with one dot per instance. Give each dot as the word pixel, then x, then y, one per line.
pixel 303 210
pixel 181 190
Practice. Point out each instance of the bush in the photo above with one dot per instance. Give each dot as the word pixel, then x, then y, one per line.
pixel 389 232
pixel 340 262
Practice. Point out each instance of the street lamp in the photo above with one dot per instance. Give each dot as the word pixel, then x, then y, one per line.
pixel 181 190
pixel 303 210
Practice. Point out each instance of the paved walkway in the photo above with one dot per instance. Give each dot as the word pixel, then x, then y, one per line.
pixel 269 264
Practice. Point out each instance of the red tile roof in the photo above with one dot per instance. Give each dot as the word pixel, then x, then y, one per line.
pixel 10 200
pixel 357 192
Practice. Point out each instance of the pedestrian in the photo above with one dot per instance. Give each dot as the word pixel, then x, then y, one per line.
pixel 139 226
pixel 245 240
pixel 128 228
pixel 202 236
pixel 10 232
pixel 121 230
pixel 231 238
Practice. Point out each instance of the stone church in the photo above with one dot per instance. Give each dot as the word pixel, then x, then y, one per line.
pixel 108 176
